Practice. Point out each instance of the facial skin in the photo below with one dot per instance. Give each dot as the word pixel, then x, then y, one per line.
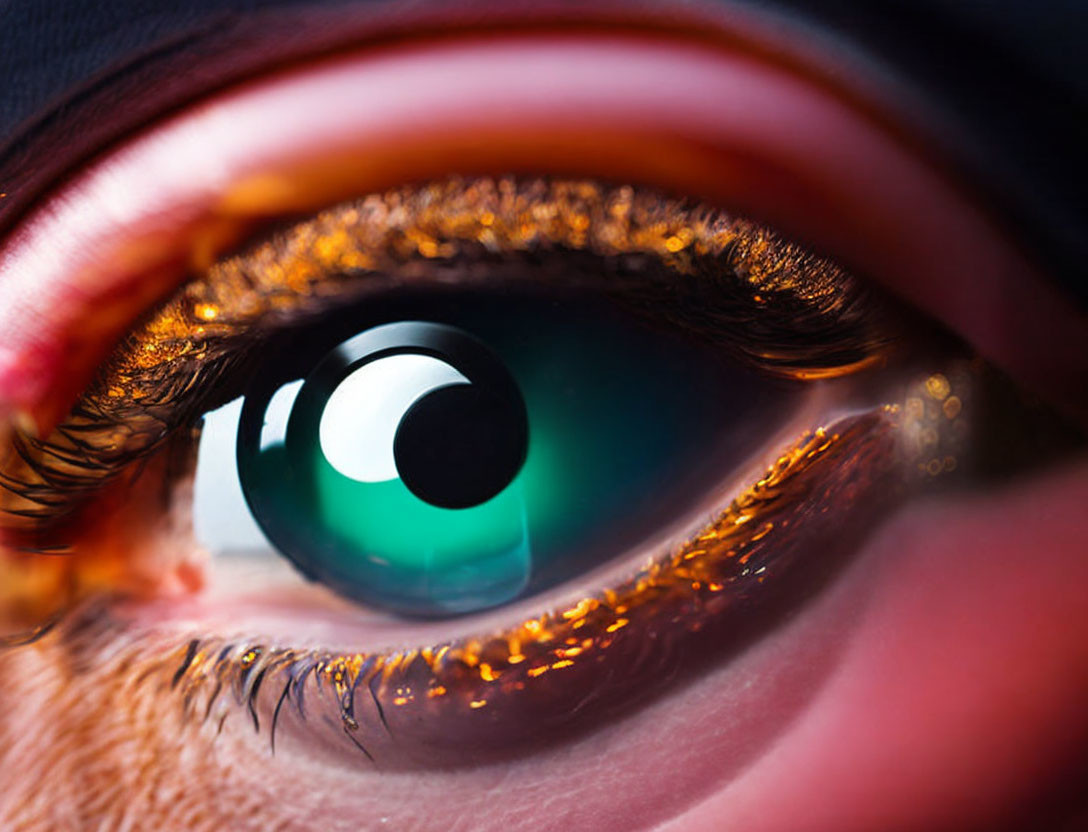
pixel 937 682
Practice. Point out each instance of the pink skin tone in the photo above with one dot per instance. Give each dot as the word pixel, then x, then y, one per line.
pixel 779 148
pixel 958 701
pixel 939 683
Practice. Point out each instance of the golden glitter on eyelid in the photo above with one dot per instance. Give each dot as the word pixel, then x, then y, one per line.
pixel 937 386
pixel 151 385
pixel 934 434
pixel 383 232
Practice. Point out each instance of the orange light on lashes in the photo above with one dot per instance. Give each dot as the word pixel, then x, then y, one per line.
pixel 663 594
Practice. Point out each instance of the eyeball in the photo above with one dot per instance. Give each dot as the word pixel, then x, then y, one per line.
pixel 410 419
pixel 440 465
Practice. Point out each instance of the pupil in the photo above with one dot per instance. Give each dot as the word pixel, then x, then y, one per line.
pixel 461 445
pixel 424 403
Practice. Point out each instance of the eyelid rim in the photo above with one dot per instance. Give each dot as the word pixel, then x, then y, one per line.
pixel 574 131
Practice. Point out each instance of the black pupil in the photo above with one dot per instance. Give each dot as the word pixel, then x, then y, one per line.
pixel 460 445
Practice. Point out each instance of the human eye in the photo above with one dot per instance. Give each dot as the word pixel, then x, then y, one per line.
pixel 711 427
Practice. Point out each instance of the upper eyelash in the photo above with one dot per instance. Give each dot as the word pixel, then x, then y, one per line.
pixel 800 316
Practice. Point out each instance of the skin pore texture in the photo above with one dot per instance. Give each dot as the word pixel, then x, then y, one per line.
pixel 936 683
pixel 908 684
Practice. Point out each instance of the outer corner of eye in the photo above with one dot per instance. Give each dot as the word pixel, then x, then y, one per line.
pixel 513 404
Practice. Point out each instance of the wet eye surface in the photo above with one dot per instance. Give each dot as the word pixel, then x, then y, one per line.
pixel 485 447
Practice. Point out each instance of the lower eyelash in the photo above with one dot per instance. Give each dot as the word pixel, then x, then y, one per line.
pixel 431 704
pixel 456 711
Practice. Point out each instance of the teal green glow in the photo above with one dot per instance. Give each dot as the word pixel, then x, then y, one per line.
pixel 461 556
pixel 618 417
pixel 388 522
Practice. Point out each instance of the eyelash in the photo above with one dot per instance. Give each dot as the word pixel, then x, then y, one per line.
pixel 769 302
pixel 736 563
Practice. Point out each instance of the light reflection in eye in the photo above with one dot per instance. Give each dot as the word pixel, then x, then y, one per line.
pixel 359 423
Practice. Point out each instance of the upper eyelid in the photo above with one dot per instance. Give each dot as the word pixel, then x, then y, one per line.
pixel 917 268
pixel 809 318
pixel 107 94
pixel 152 52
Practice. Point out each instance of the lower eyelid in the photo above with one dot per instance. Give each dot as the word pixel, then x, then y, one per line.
pixel 253 785
pixel 743 706
pixel 442 697
pixel 752 744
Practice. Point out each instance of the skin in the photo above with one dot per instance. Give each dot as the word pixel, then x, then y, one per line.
pixel 917 679
pixel 937 683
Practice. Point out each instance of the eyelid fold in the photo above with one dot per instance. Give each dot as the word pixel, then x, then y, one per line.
pixel 692 118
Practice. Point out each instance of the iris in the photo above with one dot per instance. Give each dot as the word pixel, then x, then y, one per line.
pixel 452 455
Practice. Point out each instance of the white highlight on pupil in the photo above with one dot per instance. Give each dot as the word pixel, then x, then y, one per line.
pixel 222 522
pixel 276 414
pixel 361 417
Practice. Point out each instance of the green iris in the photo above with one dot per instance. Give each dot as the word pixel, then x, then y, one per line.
pixel 622 426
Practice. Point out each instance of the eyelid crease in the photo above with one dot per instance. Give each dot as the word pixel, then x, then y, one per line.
pixel 775 305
